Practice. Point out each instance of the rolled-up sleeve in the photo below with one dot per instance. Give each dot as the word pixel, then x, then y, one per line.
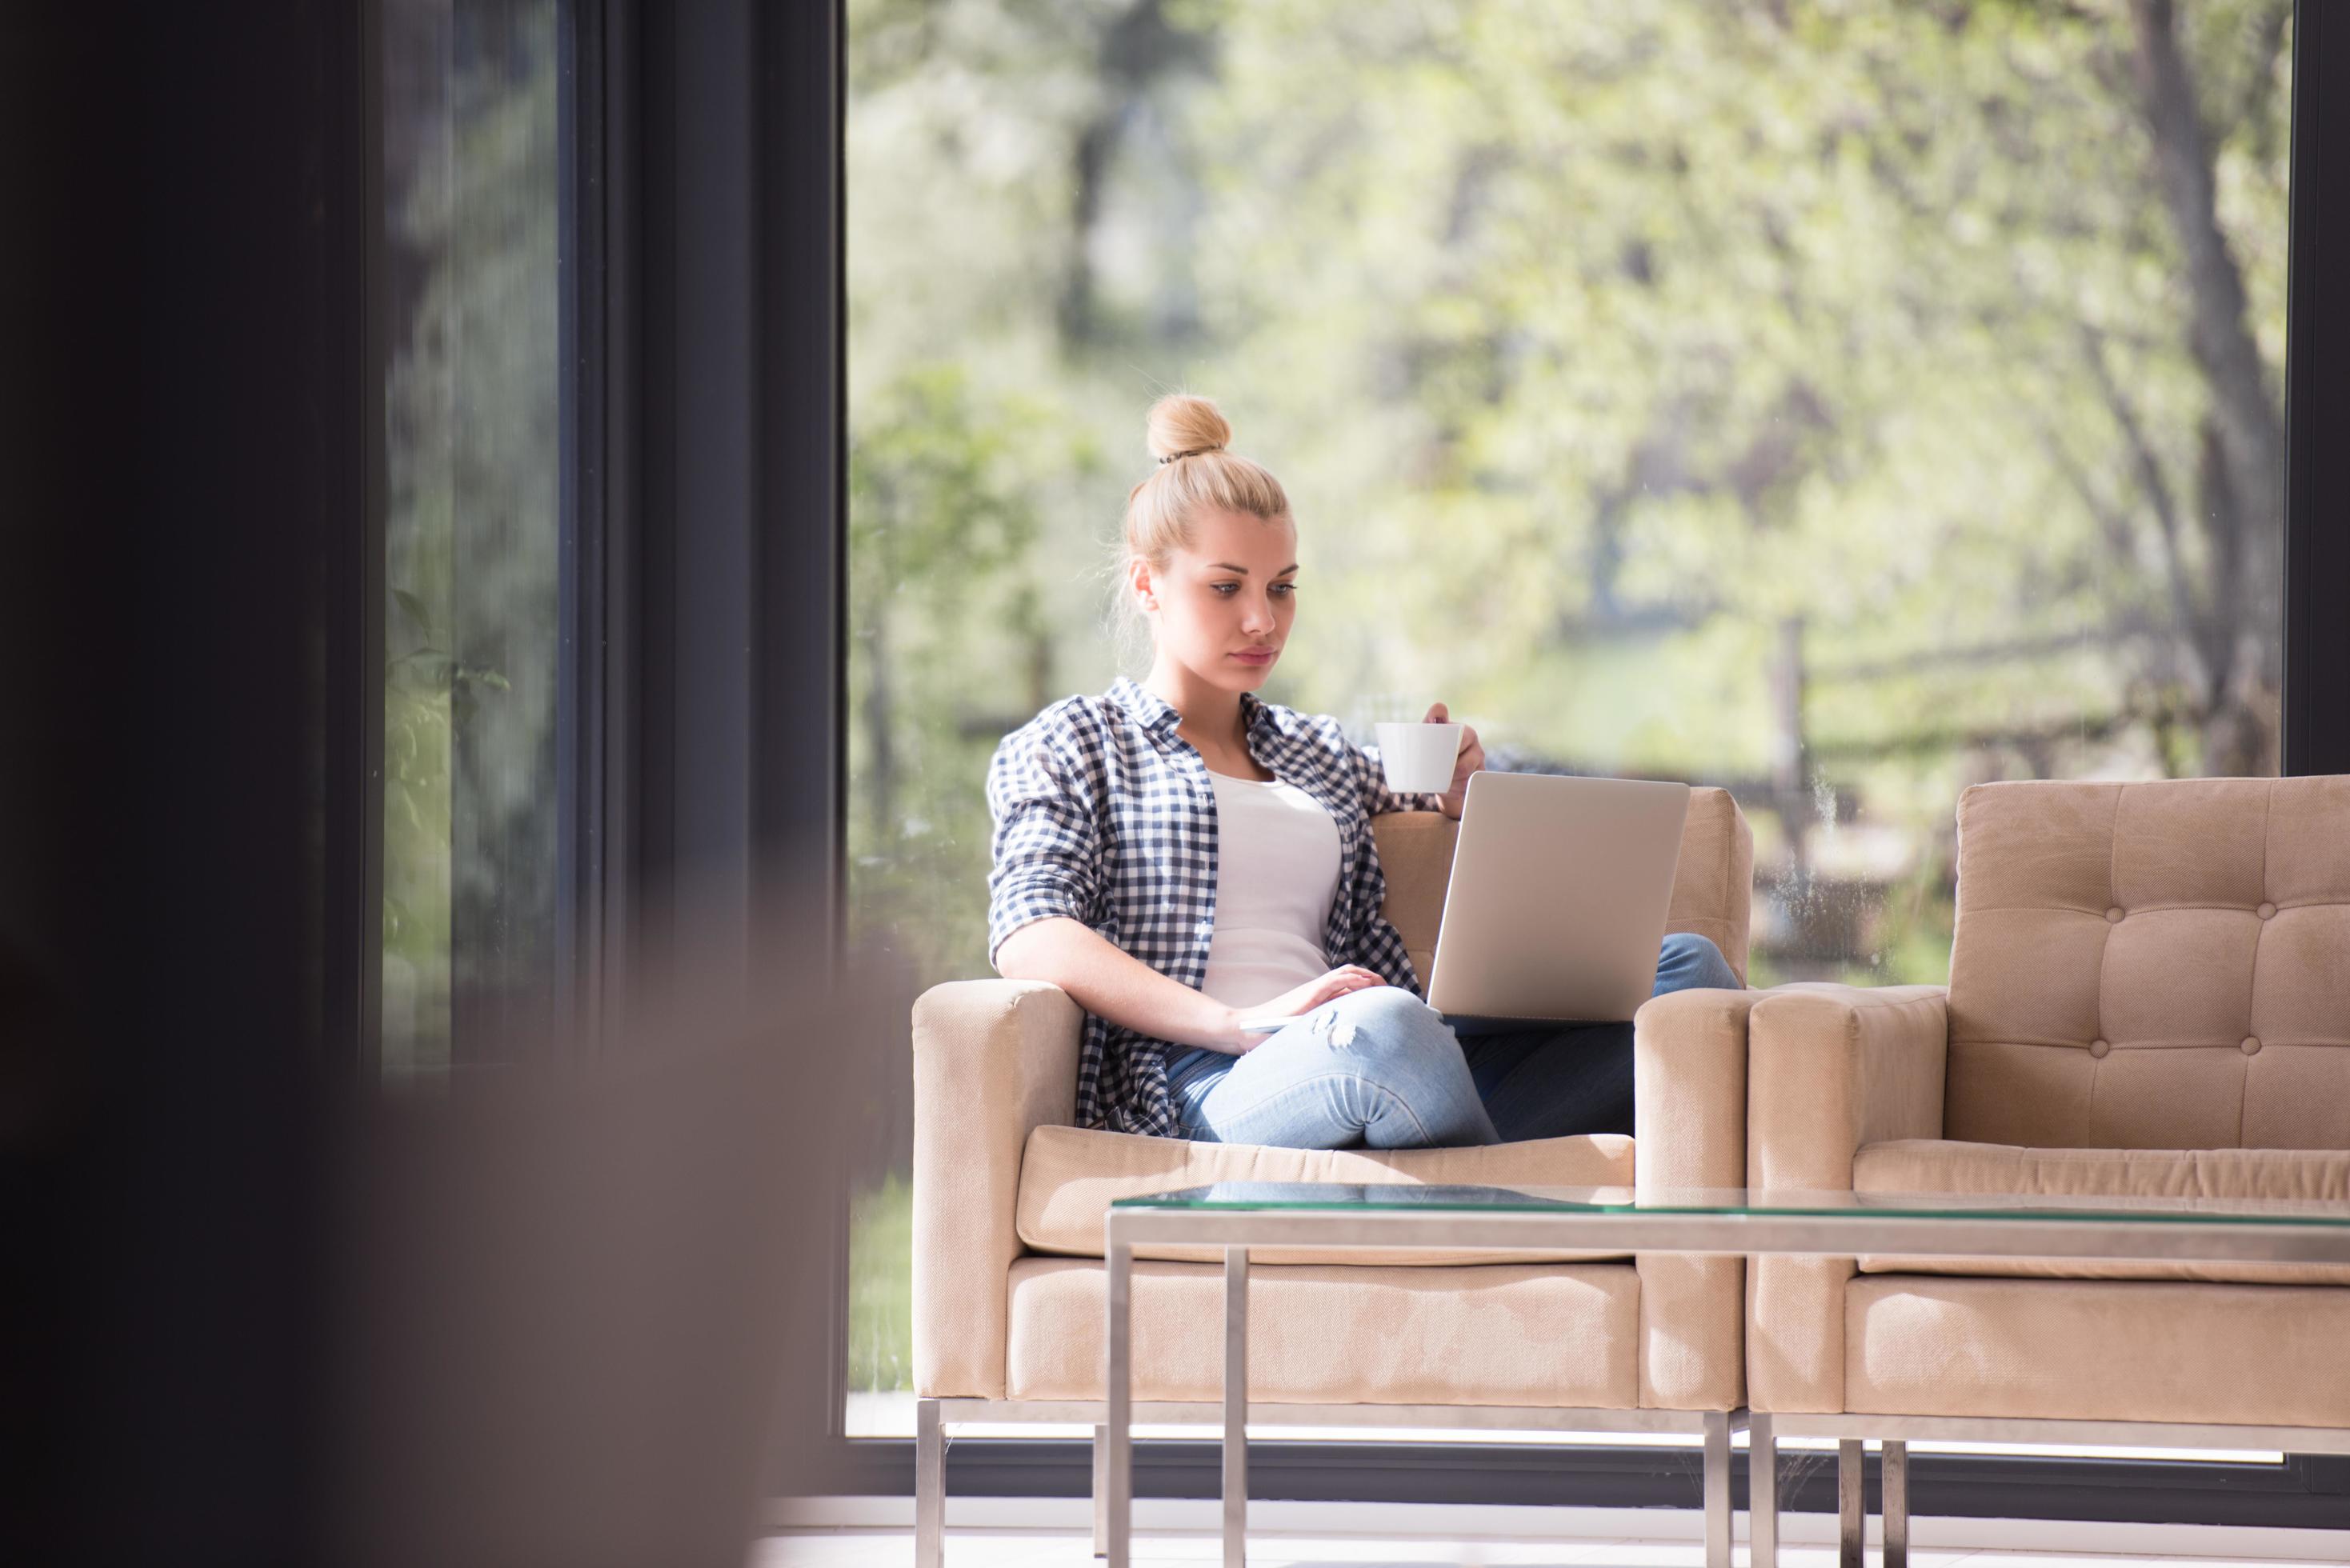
pixel 1047 846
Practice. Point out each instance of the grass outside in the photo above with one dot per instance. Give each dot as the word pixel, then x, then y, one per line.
pixel 881 1287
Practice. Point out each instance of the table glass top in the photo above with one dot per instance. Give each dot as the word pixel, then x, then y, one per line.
pixel 1403 1198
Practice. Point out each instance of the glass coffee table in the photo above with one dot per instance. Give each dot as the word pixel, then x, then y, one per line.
pixel 1714 1220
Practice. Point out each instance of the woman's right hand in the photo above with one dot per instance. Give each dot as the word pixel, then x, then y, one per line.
pixel 1303 999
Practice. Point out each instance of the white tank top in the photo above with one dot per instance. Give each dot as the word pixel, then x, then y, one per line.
pixel 1276 874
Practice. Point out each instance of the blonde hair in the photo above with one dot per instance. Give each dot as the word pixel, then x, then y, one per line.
pixel 1196 472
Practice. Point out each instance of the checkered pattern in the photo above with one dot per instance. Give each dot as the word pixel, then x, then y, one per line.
pixel 1104 814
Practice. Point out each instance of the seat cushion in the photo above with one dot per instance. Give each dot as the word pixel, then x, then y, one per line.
pixel 1555 1335
pixel 1069 1178
pixel 1924 1165
pixel 2110 1350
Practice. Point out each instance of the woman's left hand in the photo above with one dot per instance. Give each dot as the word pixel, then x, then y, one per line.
pixel 1471 757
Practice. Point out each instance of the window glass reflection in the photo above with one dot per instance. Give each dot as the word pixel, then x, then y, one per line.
pixel 469 261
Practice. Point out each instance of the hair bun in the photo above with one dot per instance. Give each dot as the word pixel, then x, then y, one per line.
pixel 1180 424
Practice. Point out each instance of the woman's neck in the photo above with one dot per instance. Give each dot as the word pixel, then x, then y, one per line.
pixel 1206 711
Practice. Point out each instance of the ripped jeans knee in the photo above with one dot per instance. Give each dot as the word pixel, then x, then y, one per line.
pixel 1376 1068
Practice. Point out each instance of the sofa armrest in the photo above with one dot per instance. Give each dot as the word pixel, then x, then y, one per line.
pixel 993 1060
pixel 1689 1123
pixel 1829 1068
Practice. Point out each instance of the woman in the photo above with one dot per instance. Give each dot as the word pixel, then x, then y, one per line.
pixel 1178 854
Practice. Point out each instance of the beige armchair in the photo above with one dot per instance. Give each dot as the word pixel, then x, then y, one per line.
pixel 2149 994
pixel 1009 1203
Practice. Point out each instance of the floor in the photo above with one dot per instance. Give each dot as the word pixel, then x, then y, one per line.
pixel 1009 1548
pixel 1003 1533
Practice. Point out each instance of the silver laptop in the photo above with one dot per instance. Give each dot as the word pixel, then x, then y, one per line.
pixel 1558 902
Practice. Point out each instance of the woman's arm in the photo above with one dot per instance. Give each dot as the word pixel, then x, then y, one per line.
pixel 1046 888
pixel 1111 984
pixel 1045 896
pixel 1117 986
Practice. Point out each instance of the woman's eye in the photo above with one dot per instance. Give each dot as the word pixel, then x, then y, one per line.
pixel 1226 589
pixel 1284 590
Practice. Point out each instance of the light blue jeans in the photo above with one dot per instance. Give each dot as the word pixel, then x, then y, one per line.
pixel 1382 1069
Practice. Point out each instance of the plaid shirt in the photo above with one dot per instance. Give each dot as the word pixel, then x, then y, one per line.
pixel 1104 814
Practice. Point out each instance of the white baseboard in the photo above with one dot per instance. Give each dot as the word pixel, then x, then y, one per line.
pixel 1460 1522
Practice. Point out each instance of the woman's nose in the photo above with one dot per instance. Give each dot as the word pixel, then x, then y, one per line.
pixel 1257 616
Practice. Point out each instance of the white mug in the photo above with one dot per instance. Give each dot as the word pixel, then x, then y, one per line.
pixel 1418 758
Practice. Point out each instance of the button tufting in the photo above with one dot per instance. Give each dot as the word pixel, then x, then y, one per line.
pixel 2098 1047
pixel 2251 1045
pixel 2266 911
pixel 2114 915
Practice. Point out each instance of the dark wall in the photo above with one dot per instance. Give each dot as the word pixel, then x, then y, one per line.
pixel 180 299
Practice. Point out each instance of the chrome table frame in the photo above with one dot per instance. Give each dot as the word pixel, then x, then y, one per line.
pixel 1618 1230
pixel 932 1417
pixel 1894 1435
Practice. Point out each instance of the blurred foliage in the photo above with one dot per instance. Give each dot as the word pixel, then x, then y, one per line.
pixel 471 455
pixel 880 1288
pixel 1623 362
pixel 946 621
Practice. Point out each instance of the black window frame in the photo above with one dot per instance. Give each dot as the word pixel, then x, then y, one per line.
pixel 708 504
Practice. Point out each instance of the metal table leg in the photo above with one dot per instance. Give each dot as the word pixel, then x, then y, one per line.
pixel 1895 1468
pixel 1236 1406
pixel 1120 1465
pixel 1101 1491
pixel 1852 1503
pixel 1716 1488
pixel 1762 1491
pixel 929 1485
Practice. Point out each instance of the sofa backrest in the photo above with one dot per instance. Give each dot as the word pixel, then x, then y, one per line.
pixel 1712 889
pixel 2158 965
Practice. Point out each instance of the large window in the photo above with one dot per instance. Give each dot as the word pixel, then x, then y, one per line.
pixel 1839 402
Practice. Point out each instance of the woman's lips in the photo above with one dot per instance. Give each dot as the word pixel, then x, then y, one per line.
pixel 1257 655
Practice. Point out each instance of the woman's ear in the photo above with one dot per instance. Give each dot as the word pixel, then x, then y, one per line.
pixel 1137 579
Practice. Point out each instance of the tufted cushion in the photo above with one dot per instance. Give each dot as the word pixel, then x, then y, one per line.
pixel 1713 887
pixel 2159 965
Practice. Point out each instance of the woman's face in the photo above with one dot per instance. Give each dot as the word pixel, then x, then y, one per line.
pixel 1222 606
